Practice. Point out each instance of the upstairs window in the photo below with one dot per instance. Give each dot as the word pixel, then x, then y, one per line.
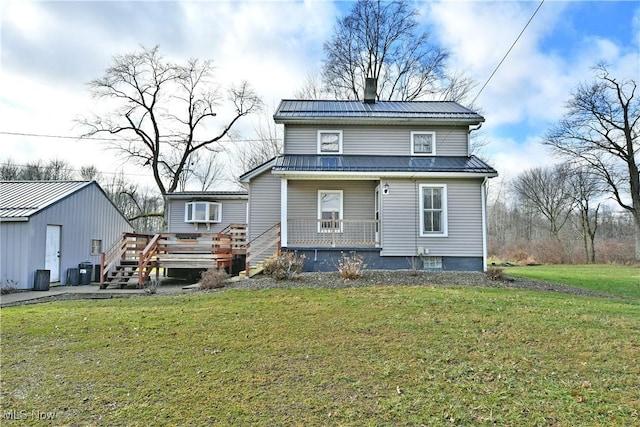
pixel 433 210
pixel 423 143
pixel 329 142
pixel 203 212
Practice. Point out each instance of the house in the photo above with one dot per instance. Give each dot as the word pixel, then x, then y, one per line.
pixel 55 226
pixel 392 181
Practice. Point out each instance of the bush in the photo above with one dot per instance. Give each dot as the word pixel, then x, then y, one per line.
pixel 351 267
pixel 8 287
pixel 213 278
pixel 495 273
pixel 151 286
pixel 284 266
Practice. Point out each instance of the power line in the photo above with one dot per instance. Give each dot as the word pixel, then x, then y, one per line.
pixel 42 135
pixel 509 51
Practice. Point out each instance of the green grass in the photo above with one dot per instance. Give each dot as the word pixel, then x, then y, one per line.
pixel 610 279
pixel 383 356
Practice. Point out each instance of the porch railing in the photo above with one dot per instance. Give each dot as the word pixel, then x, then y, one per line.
pixel 332 232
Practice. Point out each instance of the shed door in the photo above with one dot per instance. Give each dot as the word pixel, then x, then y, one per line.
pixel 52 252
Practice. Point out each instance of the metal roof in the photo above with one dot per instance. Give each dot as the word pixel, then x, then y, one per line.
pixel 354 163
pixel 296 110
pixel 21 199
pixel 241 194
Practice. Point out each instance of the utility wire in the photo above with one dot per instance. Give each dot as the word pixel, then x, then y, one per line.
pixel 509 51
pixel 93 138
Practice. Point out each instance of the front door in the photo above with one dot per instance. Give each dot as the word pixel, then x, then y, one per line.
pixel 52 252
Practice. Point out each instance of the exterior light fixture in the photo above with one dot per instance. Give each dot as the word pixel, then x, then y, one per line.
pixel 385 188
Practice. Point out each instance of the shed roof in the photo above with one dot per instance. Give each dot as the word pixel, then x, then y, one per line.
pixel 22 199
pixel 446 111
pixel 386 164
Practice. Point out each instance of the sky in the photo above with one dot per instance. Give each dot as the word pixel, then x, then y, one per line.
pixel 50 50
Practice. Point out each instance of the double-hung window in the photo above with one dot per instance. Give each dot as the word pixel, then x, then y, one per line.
pixel 423 143
pixel 329 142
pixel 330 211
pixel 433 210
pixel 206 212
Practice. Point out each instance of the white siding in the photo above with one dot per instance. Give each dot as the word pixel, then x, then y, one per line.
pixel 377 140
pixel 233 211
pixel 400 219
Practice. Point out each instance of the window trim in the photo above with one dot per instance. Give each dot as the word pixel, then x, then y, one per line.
pixel 207 212
pixel 319 141
pixel 340 212
pixel 433 145
pixel 444 209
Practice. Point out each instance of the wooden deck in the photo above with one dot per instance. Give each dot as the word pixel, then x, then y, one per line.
pixel 138 256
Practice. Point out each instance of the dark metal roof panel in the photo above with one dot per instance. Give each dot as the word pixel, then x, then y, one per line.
pixel 225 194
pixel 21 199
pixel 352 163
pixel 298 109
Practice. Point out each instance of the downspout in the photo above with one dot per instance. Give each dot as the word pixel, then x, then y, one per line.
pixel 483 195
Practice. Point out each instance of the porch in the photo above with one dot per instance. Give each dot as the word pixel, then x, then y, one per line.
pixel 333 233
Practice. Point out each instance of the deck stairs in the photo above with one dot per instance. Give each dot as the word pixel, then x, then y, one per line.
pixel 261 247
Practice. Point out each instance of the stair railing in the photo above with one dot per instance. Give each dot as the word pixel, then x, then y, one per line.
pixel 116 253
pixel 145 260
pixel 265 241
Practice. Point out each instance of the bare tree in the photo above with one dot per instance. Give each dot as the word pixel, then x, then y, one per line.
pixel 547 190
pixel 382 40
pixel 587 189
pixel 600 129
pixel 52 170
pixel 9 171
pixel 267 145
pixel 165 112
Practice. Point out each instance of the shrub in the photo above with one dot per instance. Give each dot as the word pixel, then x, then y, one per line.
pixel 213 278
pixel 495 273
pixel 151 286
pixel 351 267
pixel 8 287
pixel 284 266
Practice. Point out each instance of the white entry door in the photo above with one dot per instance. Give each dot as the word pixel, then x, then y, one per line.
pixel 52 252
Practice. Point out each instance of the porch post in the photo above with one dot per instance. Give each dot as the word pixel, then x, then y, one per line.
pixel 483 198
pixel 283 212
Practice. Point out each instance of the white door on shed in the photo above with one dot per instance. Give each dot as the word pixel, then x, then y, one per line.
pixel 52 252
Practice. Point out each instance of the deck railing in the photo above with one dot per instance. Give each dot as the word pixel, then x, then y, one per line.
pixel 332 232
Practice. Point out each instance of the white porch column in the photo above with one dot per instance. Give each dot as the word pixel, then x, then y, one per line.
pixel 283 212
pixel 483 197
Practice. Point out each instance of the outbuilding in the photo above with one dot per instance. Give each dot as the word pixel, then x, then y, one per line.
pixel 54 226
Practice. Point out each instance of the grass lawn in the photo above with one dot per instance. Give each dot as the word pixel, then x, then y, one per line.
pixel 380 356
pixel 611 279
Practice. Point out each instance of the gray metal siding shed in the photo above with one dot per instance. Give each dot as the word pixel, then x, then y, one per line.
pixel 84 214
